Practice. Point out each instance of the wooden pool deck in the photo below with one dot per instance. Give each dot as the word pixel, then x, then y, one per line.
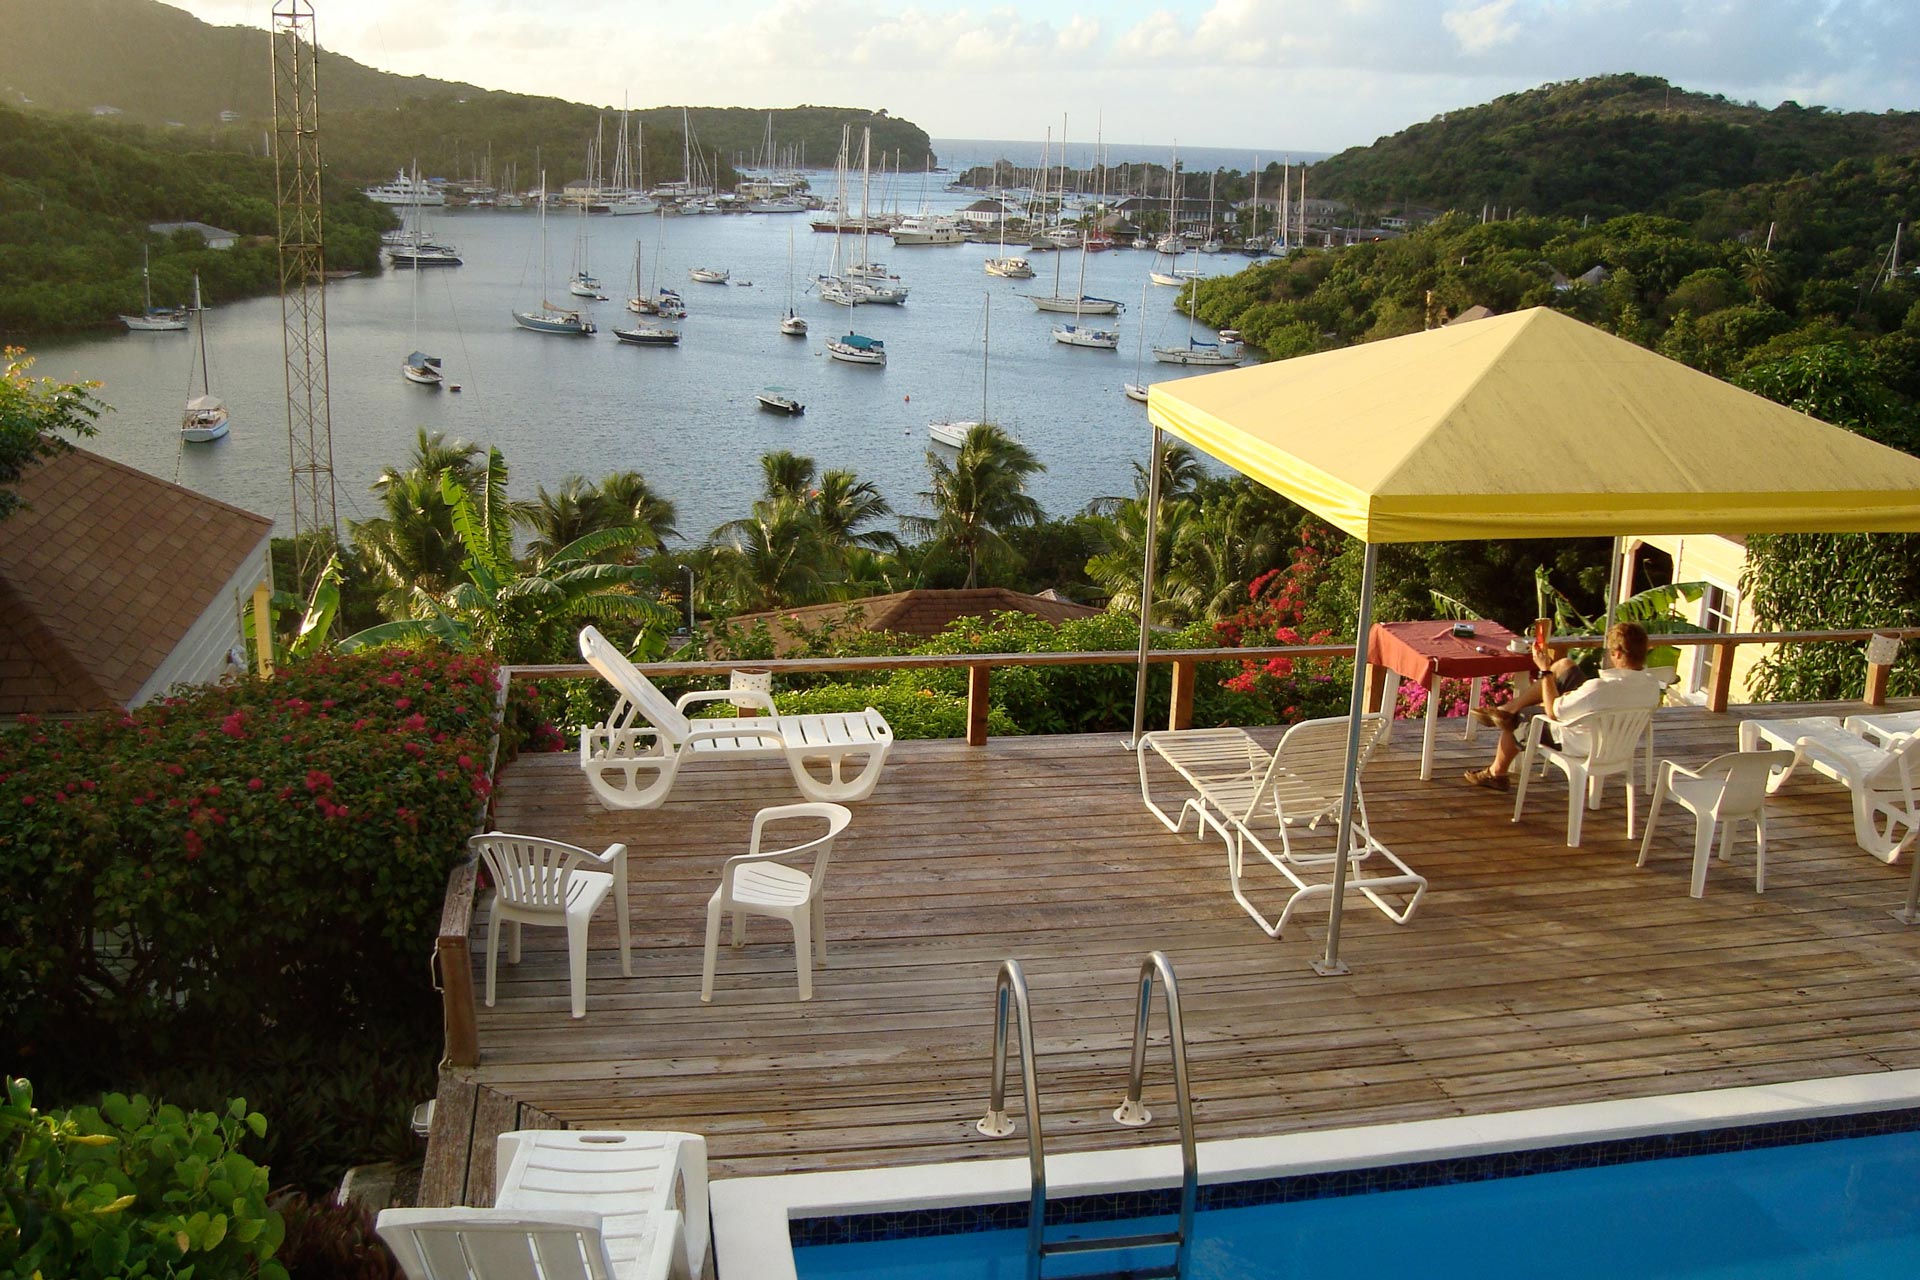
pixel 1533 975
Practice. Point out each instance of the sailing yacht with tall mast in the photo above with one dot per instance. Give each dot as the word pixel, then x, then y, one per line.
pixel 792 324
pixel 549 318
pixel 951 432
pixel 206 416
pixel 154 319
pixel 1078 334
pixel 643 334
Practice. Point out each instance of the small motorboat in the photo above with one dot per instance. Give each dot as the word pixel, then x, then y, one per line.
pixel 709 275
pixel 780 400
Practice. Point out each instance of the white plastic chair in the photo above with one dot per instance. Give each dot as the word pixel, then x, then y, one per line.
pixel 1723 792
pixel 500 1244
pixel 759 883
pixel 545 882
pixel 1666 678
pixel 1596 746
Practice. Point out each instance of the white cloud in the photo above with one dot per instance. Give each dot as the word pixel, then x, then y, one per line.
pixel 1483 27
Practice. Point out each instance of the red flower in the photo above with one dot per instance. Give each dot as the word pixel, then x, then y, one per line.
pixel 29 800
pixel 401 704
pixel 254 784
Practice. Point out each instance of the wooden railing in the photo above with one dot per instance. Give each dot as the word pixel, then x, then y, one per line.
pixel 454 964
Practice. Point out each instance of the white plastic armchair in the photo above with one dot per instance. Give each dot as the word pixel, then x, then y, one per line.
pixel 761 883
pixel 633 757
pixel 545 882
pixel 1594 747
pixel 1721 793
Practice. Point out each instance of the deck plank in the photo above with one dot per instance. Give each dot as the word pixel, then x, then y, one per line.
pixel 1533 975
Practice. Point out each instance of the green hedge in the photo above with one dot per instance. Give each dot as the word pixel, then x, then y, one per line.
pixel 132 1189
pixel 203 881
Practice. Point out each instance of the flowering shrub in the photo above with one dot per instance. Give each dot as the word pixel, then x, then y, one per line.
pixel 234 861
pixel 1411 702
pixel 1277 603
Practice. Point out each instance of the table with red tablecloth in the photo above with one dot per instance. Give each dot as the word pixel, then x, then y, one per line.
pixel 1425 652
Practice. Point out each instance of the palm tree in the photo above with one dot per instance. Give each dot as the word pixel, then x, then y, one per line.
pixel 843 503
pixel 1117 566
pixel 413 543
pixel 785 474
pixel 520 615
pixel 558 518
pixel 1222 546
pixel 978 496
pixel 772 558
pixel 629 494
pixel 1180 475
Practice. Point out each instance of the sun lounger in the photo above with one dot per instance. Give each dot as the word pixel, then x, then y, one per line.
pixel 632 758
pixel 1880 779
pixel 1248 795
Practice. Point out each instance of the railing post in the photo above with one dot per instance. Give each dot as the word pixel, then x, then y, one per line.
pixel 1376 688
pixel 1720 687
pixel 454 961
pixel 1881 651
pixel 1180 714
pixel 979 680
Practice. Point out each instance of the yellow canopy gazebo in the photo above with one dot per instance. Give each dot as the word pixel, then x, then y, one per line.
pixel 1530 425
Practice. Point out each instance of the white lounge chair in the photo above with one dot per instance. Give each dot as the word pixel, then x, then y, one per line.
pixel 1723 792
pixel 1596 746
pixel 632 759
pixel 760 883
pixel 1882 727
pixel 1247 794
pixel 545 882
pixel 1880 779
pixel 570 1205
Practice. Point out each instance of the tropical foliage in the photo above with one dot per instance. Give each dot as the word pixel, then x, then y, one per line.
pixel 978 498
pixel 34 412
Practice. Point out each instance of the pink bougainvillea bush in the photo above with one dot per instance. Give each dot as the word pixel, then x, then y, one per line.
pixel 1411 702
pixel 260 858
pixel 1277 603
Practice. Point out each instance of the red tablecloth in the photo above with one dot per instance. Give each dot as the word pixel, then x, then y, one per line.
pixel 1419 651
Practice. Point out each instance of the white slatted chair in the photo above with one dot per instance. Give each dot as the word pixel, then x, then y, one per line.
pixel 632 758
pixel 500 1244
pixel 546 882
pixel 1722 793
pixel 1249 795
pixel 760 883
pixel 1880 780
pixel 570 1205
pixel 1596 746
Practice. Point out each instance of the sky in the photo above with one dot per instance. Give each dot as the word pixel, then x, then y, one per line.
pixel 1265 74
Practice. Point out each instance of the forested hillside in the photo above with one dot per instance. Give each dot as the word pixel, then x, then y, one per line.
pixel 75 200
pixel 1604 146
pixel 161 66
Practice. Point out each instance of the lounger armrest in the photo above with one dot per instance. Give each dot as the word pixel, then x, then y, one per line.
pixel 758 697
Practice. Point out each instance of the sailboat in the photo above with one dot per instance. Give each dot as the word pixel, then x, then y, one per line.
pixel 154 319
pixel 1076 334
pixel 419 367
pixel 792 324
pixel 1137 389
pixel 584 283
pixel 549 318
pixel 865 279
pixel 1214 354
pixel 954 434
pixel 1173 244
pixel 206 415
pixel 643 334
pixel 1080 303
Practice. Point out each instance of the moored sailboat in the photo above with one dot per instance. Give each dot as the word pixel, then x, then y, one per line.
pixel 206 416
pixel 154 319
pixel 857 348
pixel 548 318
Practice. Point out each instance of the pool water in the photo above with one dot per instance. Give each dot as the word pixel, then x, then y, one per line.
pixel 1843 1208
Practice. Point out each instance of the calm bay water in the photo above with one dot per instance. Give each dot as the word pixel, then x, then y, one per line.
pixel 684 416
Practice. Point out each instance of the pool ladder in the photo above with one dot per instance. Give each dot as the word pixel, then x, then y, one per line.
pixel 1011 989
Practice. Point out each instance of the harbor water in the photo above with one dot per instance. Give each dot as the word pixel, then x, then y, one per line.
pixel 685 416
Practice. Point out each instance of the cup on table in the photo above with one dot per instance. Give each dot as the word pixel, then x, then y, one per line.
pixel 1517 645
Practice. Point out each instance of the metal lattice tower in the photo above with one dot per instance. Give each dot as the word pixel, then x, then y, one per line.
pixel 303 275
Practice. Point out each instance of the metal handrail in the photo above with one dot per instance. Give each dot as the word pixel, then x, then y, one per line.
pixel 1012 982
pixel 1133 1112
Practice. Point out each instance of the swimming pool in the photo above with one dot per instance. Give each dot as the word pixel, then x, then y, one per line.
pixel 1720 1210
pixel 1844 1207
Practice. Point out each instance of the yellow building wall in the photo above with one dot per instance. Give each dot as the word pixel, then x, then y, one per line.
pixel 1711 558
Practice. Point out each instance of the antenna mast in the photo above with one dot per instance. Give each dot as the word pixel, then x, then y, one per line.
pixel 303 279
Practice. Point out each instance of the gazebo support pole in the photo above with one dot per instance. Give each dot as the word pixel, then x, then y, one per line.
pixel 1146 589
pixel 1330 965
pixel 1616 572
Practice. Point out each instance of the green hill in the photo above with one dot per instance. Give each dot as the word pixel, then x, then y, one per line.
pixel 1604 146
pixel 160 66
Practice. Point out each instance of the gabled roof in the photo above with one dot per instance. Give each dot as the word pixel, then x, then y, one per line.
pixel 102 572
pixel 923 612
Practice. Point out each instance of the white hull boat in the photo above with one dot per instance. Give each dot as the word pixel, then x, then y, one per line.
pixel 917 231
pixel 1009 268
pixel 405 189
pixel 855 348
pixel 794 326
pixel 709 275
pixel 154 319
pixel 423 369
pixel 1208 354
pixel 206 415
pixel 1135 392
pixel 1085 305
pixel 1074 335
pixel 951 434
pixel 780 400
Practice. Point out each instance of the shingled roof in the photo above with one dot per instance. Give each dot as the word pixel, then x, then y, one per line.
pixel 102 572
pixel 924 612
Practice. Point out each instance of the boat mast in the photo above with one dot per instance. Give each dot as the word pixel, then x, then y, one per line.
pixel 200 324
pixel 986 348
